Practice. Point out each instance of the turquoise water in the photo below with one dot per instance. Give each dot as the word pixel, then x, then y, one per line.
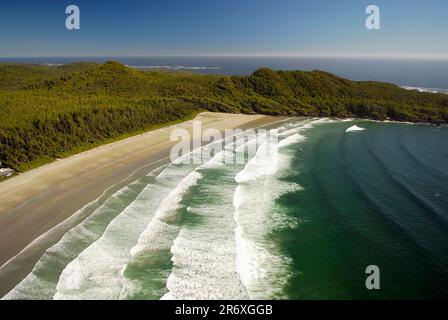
pixel 300 219
pixel 378 197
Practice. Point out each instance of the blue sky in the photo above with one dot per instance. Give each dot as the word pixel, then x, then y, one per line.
pixel 178 27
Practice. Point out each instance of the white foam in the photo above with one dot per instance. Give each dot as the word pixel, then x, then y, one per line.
pixel 262 269
pixel 429 90
pixel 292 139
pixel 204 256
pixel 34 285
pixel 267 159
pixel 96 272
pixel 264 163
pixel 167 209
pixel 169 206
pixel 355 128
pixel 218 159
pixel 158 237
pixel 174 67
pixel 288 132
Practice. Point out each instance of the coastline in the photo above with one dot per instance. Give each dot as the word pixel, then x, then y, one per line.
pixel 38 200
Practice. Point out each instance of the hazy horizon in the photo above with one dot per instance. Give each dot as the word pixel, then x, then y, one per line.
pixel 390 56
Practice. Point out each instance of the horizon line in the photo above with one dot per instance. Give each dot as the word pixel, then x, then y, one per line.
pixel 258 55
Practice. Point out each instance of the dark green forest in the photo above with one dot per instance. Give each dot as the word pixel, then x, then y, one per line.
pixel 51 112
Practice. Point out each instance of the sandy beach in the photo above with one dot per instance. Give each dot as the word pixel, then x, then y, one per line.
pixel 36 201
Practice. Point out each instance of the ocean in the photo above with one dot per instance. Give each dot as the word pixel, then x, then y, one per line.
pixel 417 74
pixel 302 218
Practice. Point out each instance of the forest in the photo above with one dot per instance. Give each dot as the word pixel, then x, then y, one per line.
pixel 50 112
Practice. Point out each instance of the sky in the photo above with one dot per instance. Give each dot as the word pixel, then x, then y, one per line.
pixel 409 28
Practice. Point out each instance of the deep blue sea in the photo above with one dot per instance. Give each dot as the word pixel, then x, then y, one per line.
pixel 408 72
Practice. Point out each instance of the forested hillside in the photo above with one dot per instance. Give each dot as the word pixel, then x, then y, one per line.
pixel 49 112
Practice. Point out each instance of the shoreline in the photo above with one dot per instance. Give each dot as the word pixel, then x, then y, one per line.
pixel 41 199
